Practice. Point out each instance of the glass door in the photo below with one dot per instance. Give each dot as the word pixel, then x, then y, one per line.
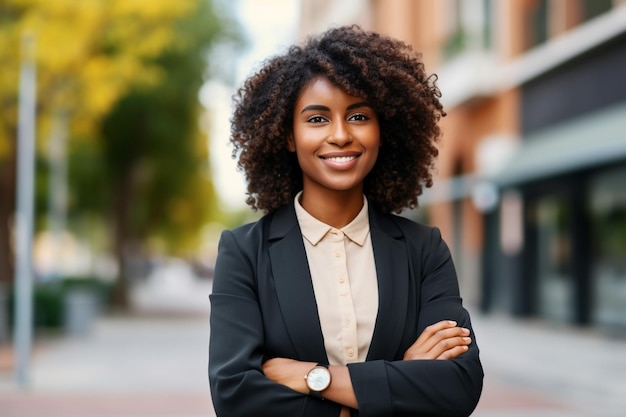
pixel 555 283
pixel 608 213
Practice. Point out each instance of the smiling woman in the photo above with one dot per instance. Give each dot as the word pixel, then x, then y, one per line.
pixel 329 295
pixel 336 139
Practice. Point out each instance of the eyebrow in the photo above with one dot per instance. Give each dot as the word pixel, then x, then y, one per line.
pixel 319 107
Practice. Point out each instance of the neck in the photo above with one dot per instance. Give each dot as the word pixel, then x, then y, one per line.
pixel 336 210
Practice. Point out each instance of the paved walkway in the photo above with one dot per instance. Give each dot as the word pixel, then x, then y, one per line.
pixel 538 370
pixel 154 364
pixel 149 364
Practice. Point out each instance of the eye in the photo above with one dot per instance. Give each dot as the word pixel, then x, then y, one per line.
pixel 359 117
pixel 316 119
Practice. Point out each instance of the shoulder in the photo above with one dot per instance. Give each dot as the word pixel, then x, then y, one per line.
pixel 422 240
pixel 239 249
pixel 403 227
pixel 270 227
pixel 245 234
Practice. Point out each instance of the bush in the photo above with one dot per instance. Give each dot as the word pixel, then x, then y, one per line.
pixel 47 305
pixel 49 299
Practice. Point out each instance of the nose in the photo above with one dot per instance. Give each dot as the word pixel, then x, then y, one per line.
pixel 340 134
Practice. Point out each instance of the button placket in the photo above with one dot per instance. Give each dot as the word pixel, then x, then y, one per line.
pixel 348 319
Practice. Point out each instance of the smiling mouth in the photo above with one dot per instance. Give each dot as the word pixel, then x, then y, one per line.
pixel 339 159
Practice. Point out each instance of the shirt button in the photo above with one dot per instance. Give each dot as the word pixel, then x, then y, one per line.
pixel 342 280
pixel 350 352
pixel 337 254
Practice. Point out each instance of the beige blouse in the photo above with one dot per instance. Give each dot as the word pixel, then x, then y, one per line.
pixel 343 271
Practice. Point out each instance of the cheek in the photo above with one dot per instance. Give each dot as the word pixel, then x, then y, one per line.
pixel 377 140
pixel 375 148
pixel 376 155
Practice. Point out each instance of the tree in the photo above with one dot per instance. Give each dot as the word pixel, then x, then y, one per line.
pixel 155 158
pixel 89 54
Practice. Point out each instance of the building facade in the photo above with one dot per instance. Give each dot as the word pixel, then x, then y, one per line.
pixel 530 189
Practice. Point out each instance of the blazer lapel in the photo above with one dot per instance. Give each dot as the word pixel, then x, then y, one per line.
pixel 294 288
pixel 392 269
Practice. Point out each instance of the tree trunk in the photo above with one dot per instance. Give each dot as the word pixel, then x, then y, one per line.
pixel 120 231
pixel 123 238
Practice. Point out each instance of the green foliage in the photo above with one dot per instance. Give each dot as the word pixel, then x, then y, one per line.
pixel 49 299
pixel 94 60
pixel 151 167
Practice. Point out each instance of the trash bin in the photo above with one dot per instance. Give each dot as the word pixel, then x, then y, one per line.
pixel 80 310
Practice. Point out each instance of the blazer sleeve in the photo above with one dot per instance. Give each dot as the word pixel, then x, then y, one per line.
pixel 425 387
pixel 236 346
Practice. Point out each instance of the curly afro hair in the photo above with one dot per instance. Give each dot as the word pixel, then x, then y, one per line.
pixel 386 72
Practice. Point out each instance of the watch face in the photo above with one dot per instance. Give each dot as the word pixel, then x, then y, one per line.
pixel 318 379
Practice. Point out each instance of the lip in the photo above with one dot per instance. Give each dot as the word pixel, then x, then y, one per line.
pixel 340 160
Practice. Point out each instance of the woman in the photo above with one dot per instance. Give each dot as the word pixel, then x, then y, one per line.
pixel 330 305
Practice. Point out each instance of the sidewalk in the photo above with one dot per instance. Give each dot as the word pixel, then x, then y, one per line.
pixel 155 364
pixel 151 363
pixel 534 369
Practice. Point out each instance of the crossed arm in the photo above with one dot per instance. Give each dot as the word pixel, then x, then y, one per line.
pixel 442 340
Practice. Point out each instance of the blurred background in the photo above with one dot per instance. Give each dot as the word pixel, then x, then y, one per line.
pixel 116 179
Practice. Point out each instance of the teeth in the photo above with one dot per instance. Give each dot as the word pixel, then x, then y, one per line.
pixel 341 158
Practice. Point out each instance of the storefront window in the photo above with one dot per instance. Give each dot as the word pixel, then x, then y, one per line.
pixel 555 282
pixel 608 212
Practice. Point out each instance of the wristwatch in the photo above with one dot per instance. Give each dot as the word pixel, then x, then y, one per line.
pixel 318 379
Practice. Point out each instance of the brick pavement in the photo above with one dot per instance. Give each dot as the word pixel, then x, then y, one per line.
pixel 155 365
pixel 112 404
pixel 137 366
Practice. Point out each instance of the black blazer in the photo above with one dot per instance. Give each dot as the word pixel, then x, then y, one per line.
pixel 263 306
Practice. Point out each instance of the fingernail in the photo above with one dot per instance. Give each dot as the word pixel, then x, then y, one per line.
pixel 467 339
pixel 452 322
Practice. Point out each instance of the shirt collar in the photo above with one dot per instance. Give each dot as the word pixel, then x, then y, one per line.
pixel 314 230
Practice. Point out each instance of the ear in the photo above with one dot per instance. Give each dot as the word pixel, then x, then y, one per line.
pixel 291 143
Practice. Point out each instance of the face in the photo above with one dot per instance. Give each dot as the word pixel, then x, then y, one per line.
pixel 336 138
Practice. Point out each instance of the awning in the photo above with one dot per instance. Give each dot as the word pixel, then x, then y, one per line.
pixel 586 142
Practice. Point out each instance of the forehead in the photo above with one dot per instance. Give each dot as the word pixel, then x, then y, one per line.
pixel 320 87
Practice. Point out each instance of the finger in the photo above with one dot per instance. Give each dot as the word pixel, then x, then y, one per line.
pixel 436 345
pixel 439 337
pixel 433 329
pixel 450 344
pixel 453 353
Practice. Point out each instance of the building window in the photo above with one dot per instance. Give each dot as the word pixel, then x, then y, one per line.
pixel 545 19
pixel 488 25
pixel 457 38
pixel 536 23
pixel 593 8
pixel 608 213
pixel 469 23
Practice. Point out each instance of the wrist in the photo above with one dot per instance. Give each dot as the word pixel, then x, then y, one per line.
pixel 318 379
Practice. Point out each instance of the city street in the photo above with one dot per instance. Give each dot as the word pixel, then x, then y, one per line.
pixel 154 363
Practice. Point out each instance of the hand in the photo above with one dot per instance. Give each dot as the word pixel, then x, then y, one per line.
pixel 442 340
pixel 288 372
